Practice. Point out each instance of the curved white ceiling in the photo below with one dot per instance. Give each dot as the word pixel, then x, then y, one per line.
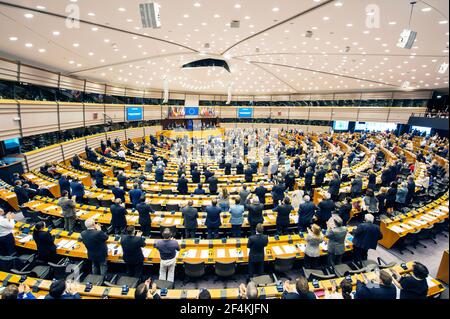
pixel 266 56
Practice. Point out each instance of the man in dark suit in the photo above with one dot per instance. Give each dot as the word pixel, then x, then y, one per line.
pixel 261 192
pixel 213 221
pixel 182 186
pixel 159 174
pixel 21 193
pixel 289 179
pixel 212 182
pixel 195 175
pixel 283 212
pixel 77 190
pixel 199 190
pixel 64 184
pixel 98 176
pixel 135 195
pixel 190 215
pixel 320 176
pixel 239 168
pixel 118 217
pixel 326 208
pixel 255 214
pixel 334 186
pixel 145 220
pixel 308 179
pixel 277 193
pixel 122 179
pixel 132 252
pixel 382 289
pixel 257 244
pixel 248 173
pixel 95 241
pixel 118 192
pixel 306 212
pixel 365 237
pixel 227 170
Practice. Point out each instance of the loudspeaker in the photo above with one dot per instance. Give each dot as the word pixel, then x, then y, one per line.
pixel 407 38
pixel 150 15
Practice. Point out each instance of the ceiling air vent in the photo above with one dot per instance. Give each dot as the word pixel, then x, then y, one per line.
pixel 235 24
pixel 309 34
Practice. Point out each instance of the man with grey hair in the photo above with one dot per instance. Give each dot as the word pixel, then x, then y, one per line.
pixel 168 251
pixel 118 192
pixel 249 291
pixel 255 214
pixel 365 237
pixel 95 241
pixel 336 234
pixel 306 212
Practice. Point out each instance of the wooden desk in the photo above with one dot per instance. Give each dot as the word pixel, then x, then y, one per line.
pixel 10 197
pixel 442 274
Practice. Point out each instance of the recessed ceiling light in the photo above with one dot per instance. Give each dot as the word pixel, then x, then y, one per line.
pixel 237 6
pixel 76 45
pixel 392 23
pixel 216 16
pixel 79 64
pixel 349 25
pixel 247 18
pixel 276 9
pixel 122 9
pixel 91 14
pixel 13 38
pixel 197 4
pixel 42 50
pixel 106 40
pixel 40 7
pixel 443 22
pixel 56 33
pixel 326 18
pixel 94 29
pixel 338 4
pixel 28 15
pixel 186 15
pixel 427 9
pixel 29 45
pixel 91 54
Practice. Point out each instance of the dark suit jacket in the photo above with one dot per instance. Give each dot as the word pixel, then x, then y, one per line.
pixel 283 214
pixel 213 181
pixel 255 214
pixel 22 194
pixel 257 244
pixel 122 179
pixel 379 292
pixel 366 236
pixel 135 196
pixel 248 175
pixel 118 214
pixel 196 176
pixel 213 217
pixel 326 208
pixel 119 193
pixel 77 189
pixel 132 249
pixel 320 176
pixel 144 211
pixel 335 184
pixel 45 245
pixel 278 192
pixel 95 242
pixel 190 215
pixel 261 191
pixel 182 186
pixel 227 169
pixel 64 185
pixel 306 213
pixel 159 175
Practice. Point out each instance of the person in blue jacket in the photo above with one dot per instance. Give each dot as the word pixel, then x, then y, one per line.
pixel 213 221
pixel 135 195
pixel 77 190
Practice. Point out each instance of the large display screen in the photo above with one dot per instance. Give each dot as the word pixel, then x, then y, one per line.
pixel 380 127
pixel 135 114
pixel 340 125
pixel 360 126
pixel 422 129
pixel 245 112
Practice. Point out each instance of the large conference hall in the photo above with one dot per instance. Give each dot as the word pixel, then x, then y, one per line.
pixel 224 149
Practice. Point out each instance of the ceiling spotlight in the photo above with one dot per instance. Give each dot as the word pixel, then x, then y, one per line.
pixel 28 15
pixel 56 33
pixel 13 38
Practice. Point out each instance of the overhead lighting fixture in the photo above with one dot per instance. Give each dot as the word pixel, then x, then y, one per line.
pixel 91 14
pixel 276 9
pixel 40 7
pixel 28 15
pixel 427 9
pixel 122 9
pixel 29 45
pixel 42 50
pixel 13 38
pixel 56 33
pixel 407 37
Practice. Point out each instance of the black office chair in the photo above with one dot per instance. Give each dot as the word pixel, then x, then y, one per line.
pixel 96 280
pixel 283 265
pixel 343 270
pixel 428 234
pixel 120 281
pixel 371 264
pixel 193 270
pixel 156 207
pixel 40 271
pixel 166 191
pixel 224 269
pixel 172 207
pixel 311 274
pixel 440 228
pixel 93 201
pixel 164 284
pixel 105 202
pixel 30 216
pixel 7 263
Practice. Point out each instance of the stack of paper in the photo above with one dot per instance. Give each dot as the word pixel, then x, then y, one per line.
pixel 295 219
pixel 62 243
pixel 69 244
pixel 277 250
pixel 289 249
pixel 220 253
pixel 26 239
pixel 204 254
pixel 146 252
pixel 397 229
pixel 406 226
pixel 191 253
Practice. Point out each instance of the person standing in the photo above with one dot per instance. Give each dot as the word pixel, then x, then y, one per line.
pixel 145 219
pixel 168 250
pixel 118 217
pixel 213 221
pixel 190 215
pixel 257 244
pixel 45 243
pixel 365 237
pixel 336 234
pixel 132 252
pixel 95 241
pixel 283 213
pixel 68 211
pixel 312 251
pixel 306 213
pixel 7 242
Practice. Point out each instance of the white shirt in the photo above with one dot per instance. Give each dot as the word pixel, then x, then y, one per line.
pixel 6 226
pixel 121 154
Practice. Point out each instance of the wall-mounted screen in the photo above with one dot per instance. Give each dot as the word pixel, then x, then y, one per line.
pixel 245 112
pixel 208 111
pixel 360 126
pixel 135 114
pixel 426 130
pixel 340 125
pixel 380 127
